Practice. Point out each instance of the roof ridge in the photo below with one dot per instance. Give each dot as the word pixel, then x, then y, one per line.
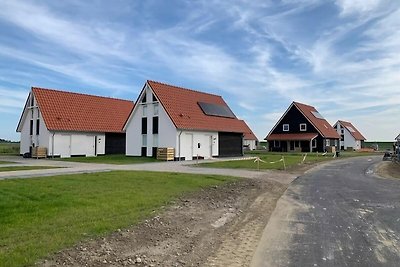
pixel 76 93
pixel 295 102
pixel 184 88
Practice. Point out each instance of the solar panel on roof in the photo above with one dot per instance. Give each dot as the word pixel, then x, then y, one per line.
pixel 317 114
pixel 351 129
pixel 216 110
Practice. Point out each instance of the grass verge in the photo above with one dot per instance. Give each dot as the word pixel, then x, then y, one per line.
pixel 40 216
pixel 272 161
pixel 25 168
pixel 6 162
pixel 111 159
pixel 9 148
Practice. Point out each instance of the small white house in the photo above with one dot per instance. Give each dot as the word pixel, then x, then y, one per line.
pixel 71 124
pixel 250 141
pixel 194 123
pixel 350 137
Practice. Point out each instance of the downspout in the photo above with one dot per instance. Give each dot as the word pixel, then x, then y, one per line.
pixel 52 146
pixel 179 145
pixel 242 145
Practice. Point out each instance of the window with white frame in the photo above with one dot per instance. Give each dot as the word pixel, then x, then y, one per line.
pixel 314 143
pixel 303 127
pixel 155 140
pixel 155 106
pixel 286 127
pixel 144 111
pixel 144 139
pixel 327 142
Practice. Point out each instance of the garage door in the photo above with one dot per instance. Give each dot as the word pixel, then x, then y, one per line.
pixel 230 144
pixel 115 143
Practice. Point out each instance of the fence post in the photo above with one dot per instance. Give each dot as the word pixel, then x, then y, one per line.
pixel 284 165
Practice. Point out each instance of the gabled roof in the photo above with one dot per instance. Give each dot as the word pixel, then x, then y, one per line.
pixel 313 116
pixel 67 111
pixel 181 105
pixel 248 133
pixel 323 127
pixel 353 130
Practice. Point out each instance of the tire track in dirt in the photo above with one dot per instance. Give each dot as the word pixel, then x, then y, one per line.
pixel 241 239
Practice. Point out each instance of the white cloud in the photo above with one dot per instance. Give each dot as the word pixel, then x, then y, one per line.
pixel 359 7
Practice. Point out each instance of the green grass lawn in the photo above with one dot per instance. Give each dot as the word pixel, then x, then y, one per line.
pixel 111 159
pixel 9 148
pixel 40 216
pixel 24 168
pixel 5 162
pixel 291 160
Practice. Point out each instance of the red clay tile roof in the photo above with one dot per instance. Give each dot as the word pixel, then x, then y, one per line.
pixel 248 133
pixel 349 126
pixel 67 111
pixel 181 105
pixel 292 137
pixel 325 129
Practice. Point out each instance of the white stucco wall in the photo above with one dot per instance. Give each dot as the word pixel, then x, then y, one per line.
pixel 166 136
pixel 250 143
pixel 27 140
pixel 68 144
pixel 349 140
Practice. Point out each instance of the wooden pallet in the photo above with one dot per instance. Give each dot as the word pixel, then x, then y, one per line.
pixel 39 152
pixel 165 153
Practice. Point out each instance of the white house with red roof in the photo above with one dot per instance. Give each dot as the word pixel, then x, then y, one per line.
pixel 194 123
pixel 303 129
pixel 72 124
pixel 250 141
pixel 350 137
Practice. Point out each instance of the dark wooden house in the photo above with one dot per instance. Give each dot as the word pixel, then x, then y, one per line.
pixel 302 129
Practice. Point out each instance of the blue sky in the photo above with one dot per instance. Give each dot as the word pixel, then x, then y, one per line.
pixel 341 56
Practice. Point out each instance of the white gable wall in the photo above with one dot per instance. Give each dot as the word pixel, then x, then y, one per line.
pixel 166 136
pixel 349 140
pixel 27 140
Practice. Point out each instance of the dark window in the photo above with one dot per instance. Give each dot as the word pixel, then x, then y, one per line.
pixel 154 98
pixel 32 100
pixel 155 125
pixel 31 128
pixel 37 126
pixel 144 98
pixel 144 125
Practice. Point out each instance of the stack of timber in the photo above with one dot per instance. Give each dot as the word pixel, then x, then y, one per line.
pixel 165 153
pixel 39 152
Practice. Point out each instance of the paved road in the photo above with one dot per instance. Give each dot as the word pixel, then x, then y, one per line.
pixel 174 166
pixel 339 214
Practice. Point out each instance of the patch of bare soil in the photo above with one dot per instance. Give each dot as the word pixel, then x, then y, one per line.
pixel 218 226
pixel 388 169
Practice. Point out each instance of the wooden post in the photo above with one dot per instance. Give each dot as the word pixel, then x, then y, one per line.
pixel 284 165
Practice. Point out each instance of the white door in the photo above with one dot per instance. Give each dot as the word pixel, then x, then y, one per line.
pixel 187 147
pixel 91 145
pixel 63 145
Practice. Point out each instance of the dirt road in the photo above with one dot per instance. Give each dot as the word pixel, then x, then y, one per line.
pixel 219 226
